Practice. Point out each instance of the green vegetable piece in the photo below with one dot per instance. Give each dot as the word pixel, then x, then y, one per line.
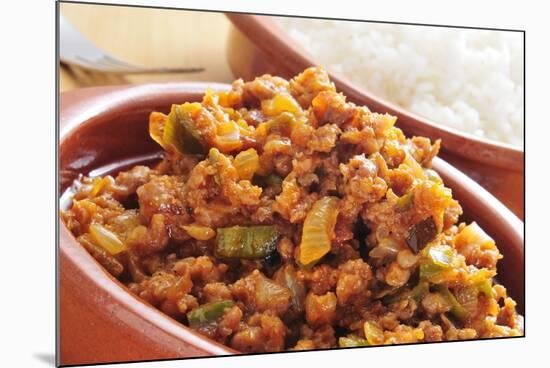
pixel 246 242
pixel 352 341
pixel 467 297
pixel 208 313
pixel 405 202
pixel 486 288
pixel 457 309
pixel 436 259
pixel 433 176
pixel 421 234
pixel 420 290
pixel 416 293
pixel 180 131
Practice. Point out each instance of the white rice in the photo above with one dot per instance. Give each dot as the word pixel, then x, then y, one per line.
pixel 470 80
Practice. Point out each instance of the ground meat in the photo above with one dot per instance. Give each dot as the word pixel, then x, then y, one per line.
pixel 435 303
pixel 397 275
pixel 304 344
pixel 253 117
pixel 404 309
pixel 282 164
pixel 148 240
pixel 364 139
pixel 344 252
pixel 111 264
pixel 403 334
pixel 507 315
pixel 479 257
pixel 330 107
pixel 216 291
pixel 319 279
pixel 229 323
pixel 261 333
pixel 161 195
pixel 285 247
pixel 202 270
pixel 320 309
pixel 293 202
pixel 321 338
pixel 431 332
pixel 266 151
pixel 305 86
pixel 129 181
pixel 361 182
pixel 257 292
pixel 352 284
pixel 324 138
pixel 238 192
pixel 167 291
pixel 425 151
pixel 461 334
pixel 91 210
pixel 262 88
pixel 388 321
pixel 179 164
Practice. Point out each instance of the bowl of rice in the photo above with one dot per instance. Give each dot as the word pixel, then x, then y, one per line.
pixel 463 86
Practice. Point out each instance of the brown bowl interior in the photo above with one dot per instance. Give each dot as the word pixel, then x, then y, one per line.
pixel 100 320
pixel 258 45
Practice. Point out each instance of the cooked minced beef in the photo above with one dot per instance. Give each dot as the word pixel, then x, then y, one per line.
pixel 283 217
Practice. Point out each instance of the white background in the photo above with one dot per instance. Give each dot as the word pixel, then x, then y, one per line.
pixel 27 218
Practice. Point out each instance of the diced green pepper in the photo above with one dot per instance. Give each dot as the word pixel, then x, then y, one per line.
pixel 435 260
pixel 352 341
pixel 180 131
pixel 208 313
pixel 246 241
pixel 420 290
pixel 416 293
pixel 486 288
pixel 467 297
pixel 456 308
pixel 421 234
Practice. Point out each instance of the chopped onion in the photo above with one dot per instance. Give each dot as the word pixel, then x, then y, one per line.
pixel 106 239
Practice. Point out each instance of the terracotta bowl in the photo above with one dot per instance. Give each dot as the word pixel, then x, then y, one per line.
pixel 258 45
pixel 100 321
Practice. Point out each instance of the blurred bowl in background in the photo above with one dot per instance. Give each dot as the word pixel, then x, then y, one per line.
pixel 258 45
